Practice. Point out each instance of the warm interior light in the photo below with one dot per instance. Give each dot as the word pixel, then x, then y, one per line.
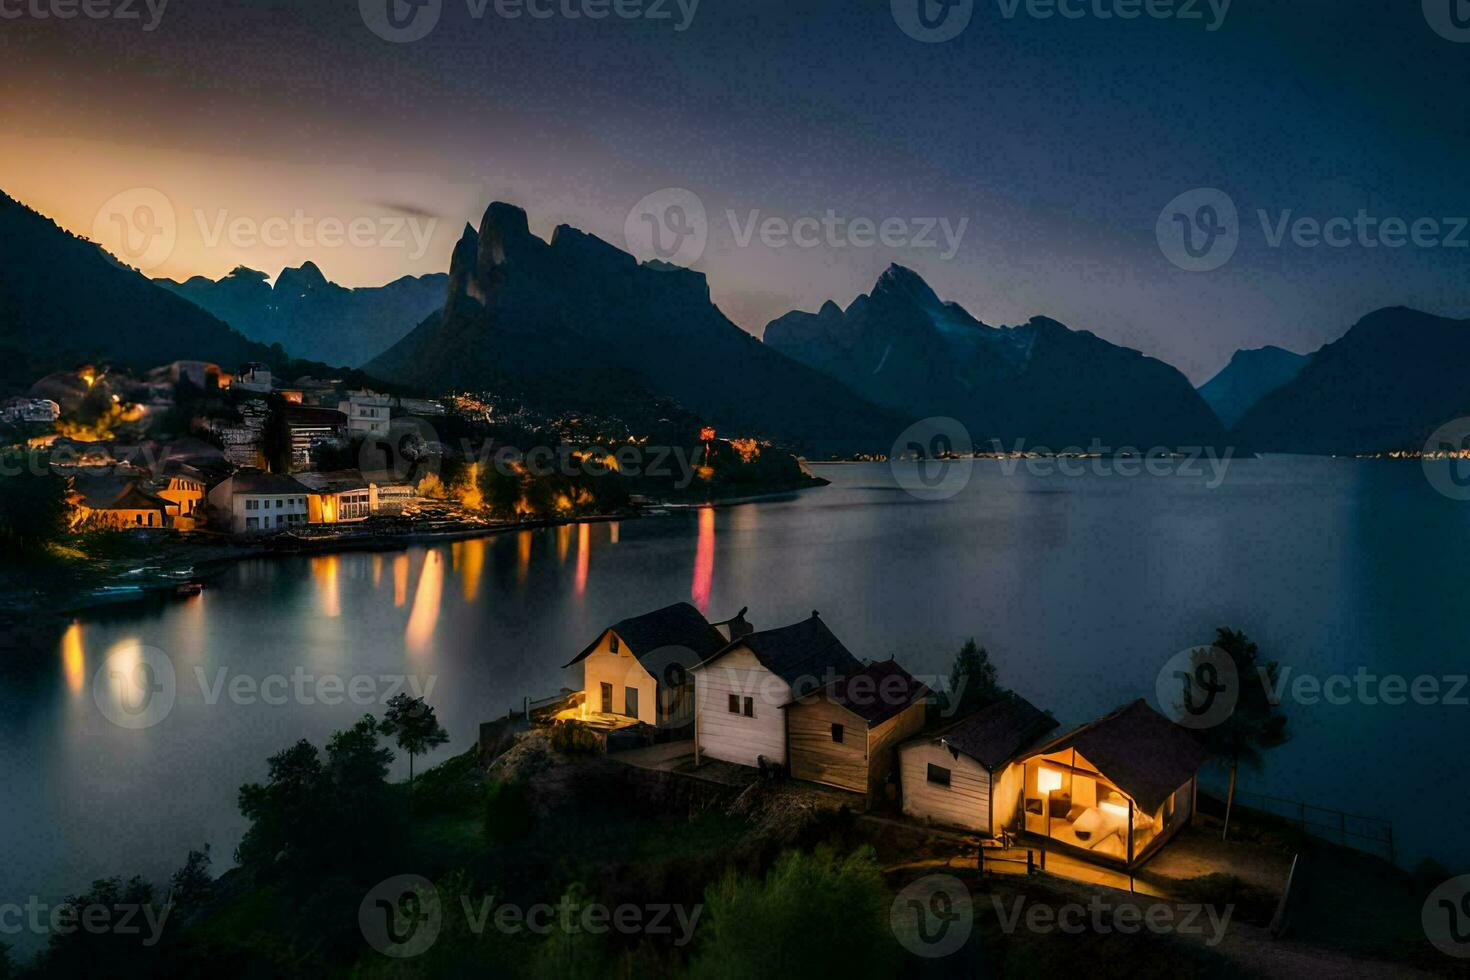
pixel 1048 780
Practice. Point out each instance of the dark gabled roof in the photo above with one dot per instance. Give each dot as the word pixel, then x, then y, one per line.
pixel 1146 754
pixel 877 692
pixel 998 732
pixel 738 625
pixel 248 481
pixel 115 493
pixel 679 625
pixel 805 655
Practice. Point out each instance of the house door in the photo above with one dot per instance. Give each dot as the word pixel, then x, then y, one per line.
pixel 607 708
pixel 631 694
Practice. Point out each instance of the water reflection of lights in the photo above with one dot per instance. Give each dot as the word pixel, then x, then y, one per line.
pixel 377 570
pixel 523 554
pixel 324 570
pixel 400 580
pixel 425 614
pixel 563 542
pixel 584 555
pixel 704 560
pixel 74 658
pixel 473 564
pixel 612 533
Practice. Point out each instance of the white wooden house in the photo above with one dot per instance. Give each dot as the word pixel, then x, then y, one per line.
pixel 965 775
pixel 741 690
pixel 639 668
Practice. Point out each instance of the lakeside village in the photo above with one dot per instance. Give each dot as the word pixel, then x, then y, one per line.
pixel 955 786
pixel 140 481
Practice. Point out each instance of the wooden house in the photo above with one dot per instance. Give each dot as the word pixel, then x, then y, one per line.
pixel 741 690
pixel 1113 790
pixel 845 734
pixel 639 669
pixel 963 776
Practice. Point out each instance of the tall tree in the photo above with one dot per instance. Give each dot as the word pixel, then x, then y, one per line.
pixel 412 723
pixel 1257 724
pixel 972 680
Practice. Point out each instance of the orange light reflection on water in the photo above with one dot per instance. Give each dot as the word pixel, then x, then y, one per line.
pixel 704 560
pixel 425 615
pixel 74 658
pixel 584 554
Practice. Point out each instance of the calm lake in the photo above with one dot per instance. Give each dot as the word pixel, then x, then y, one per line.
pixel 1081 586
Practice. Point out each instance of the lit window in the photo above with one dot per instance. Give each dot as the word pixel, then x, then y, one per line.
pixel 1048 780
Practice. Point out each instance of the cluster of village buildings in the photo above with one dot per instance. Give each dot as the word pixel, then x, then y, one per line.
pixel 795 700
pixel 188 483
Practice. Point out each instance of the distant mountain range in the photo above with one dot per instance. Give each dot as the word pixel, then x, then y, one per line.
pixel 1250 376
pixel 575 325
pixel 1040 383
pixel 313 318
pixel 1393 379
pixel 65 302
pixel 580 320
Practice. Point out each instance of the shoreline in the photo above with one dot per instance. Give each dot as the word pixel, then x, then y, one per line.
pixel 46 624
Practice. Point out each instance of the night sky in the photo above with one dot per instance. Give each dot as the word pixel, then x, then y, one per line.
pixel 1059 140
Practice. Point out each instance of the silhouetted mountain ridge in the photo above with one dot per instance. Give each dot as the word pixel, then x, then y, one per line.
pixel 1041 383
pixel 1387 384
pixel 586 317
pixel 64 301
pixel 1250 376
pixel 312 317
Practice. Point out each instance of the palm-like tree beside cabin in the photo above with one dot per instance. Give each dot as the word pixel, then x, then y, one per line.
pixel 1257 724
pixel 972 681
pixel 412 724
